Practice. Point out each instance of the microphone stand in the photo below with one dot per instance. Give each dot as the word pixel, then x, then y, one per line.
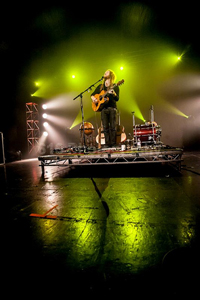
pixel 82 113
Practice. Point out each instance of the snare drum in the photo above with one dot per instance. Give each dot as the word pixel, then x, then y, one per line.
pixel 146 133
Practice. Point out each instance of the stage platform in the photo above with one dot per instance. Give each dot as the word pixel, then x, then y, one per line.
pixel 113 156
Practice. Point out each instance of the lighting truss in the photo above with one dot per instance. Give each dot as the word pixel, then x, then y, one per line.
pixel 32 127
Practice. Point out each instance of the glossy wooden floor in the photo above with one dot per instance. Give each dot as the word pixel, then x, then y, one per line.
pixel 111 229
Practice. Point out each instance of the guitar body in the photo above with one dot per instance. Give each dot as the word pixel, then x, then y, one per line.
pixel 120 134
pixel 101 100
pixel 119 139
pixel 100 139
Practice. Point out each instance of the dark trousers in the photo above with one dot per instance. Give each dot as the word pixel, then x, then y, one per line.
pixel 108 118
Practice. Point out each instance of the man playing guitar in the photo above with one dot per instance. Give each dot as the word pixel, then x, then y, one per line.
pixel 108 112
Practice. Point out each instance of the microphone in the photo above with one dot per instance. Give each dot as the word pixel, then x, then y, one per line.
pixel 102 78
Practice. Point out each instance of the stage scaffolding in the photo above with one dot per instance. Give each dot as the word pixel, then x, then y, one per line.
pixel 32 127
pixel 146 155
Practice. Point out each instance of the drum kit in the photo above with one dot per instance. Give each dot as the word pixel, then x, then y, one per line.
pixel 147 134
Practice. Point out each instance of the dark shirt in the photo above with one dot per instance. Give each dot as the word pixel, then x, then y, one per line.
pixel 112 98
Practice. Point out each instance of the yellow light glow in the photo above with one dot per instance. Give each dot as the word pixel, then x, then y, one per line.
pixel 131 105
pixel 174 110
pixel 179 113
pixel 77 121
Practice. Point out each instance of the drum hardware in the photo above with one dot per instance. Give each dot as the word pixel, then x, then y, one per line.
pixel 152 114
pixel 87 134
pixel 134 128
pixel 139 143
pixel 148 133
pixel 129 142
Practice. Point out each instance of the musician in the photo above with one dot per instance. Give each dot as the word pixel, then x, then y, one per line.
pixel 109 111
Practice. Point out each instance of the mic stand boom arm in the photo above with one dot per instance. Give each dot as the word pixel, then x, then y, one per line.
pixel 82 113
pixel 88 89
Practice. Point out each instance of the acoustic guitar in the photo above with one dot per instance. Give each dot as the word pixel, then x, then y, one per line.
pixel 102 99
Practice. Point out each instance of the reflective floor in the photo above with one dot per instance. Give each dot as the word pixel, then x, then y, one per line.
pixel 112 229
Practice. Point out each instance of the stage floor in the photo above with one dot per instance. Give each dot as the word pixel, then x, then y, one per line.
pixel 125 230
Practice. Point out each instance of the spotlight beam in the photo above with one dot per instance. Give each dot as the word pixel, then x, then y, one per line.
pixel 59 121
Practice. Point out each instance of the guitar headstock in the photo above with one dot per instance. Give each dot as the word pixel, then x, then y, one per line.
pixel 120 82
